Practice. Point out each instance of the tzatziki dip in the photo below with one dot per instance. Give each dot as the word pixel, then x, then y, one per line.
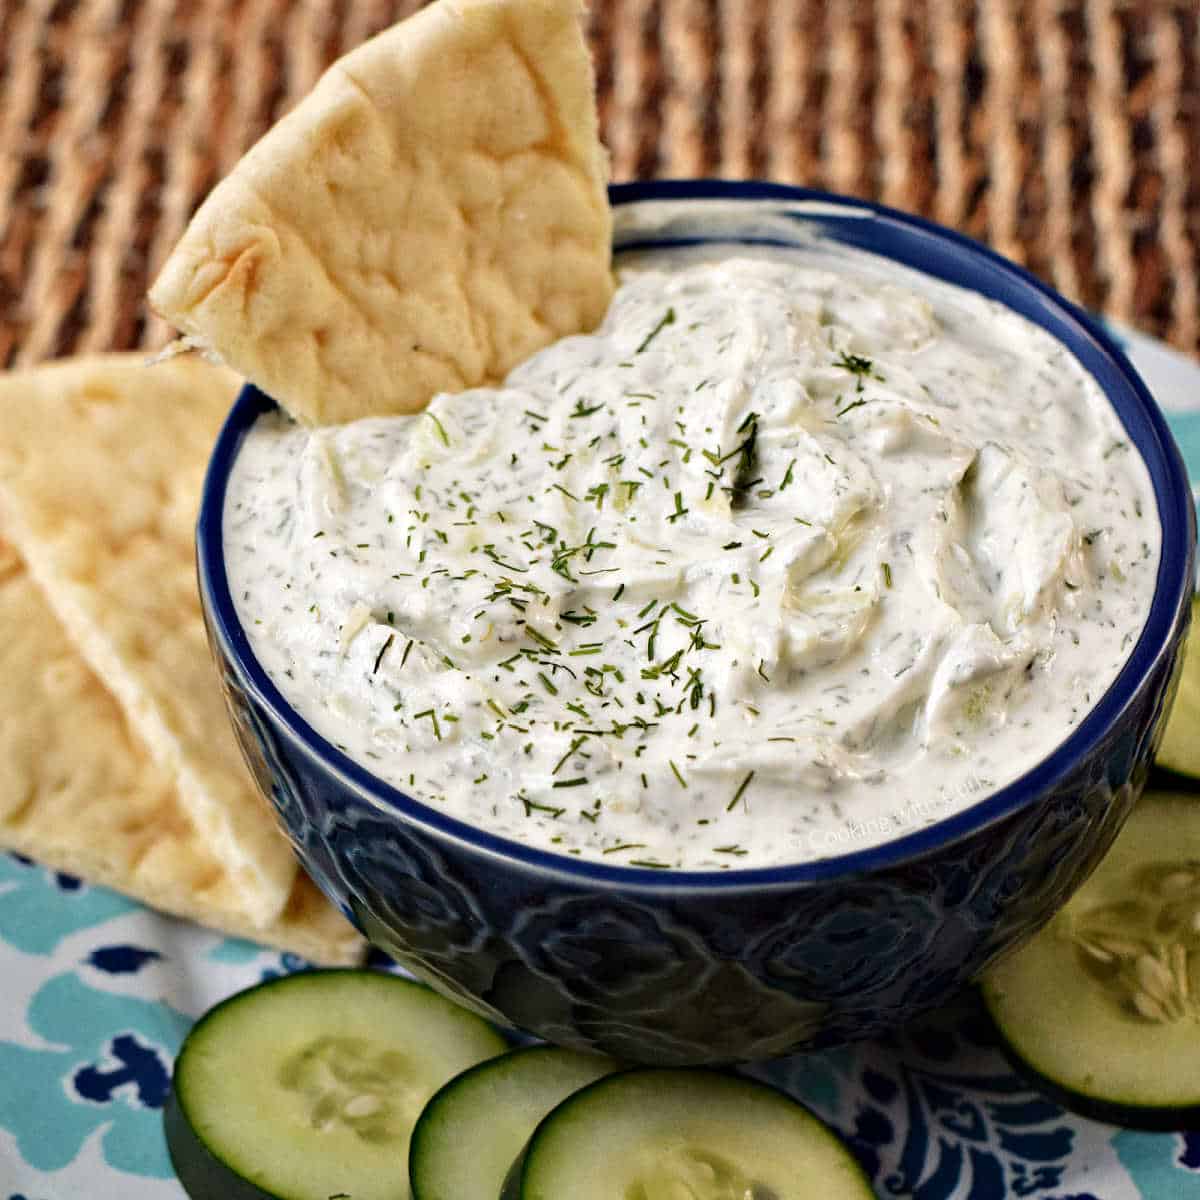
pixel 798 552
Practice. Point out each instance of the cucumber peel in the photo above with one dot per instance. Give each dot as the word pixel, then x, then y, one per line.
pixel 648 1133
pixel 308 1086
pixel 1102 1007
pixel 475 1127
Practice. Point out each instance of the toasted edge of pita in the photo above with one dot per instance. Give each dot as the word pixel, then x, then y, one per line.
pixel 429 216
pixel 101 466
pixel 79 794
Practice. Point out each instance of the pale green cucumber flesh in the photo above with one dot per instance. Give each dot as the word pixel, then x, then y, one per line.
pixel 1180 749
pixel 474 1128
pixel 308 1086
pixel 642 1134
pixel 1103 1005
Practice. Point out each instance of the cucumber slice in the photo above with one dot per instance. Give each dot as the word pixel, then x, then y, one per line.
pixel 650 1133
pixel 472 1131
pixel 1180 749
pixel 1103 1006
pixel 308 1086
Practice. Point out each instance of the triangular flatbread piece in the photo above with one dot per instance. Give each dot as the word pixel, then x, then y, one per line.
pixel 101 465
pixel 430 215
pixel 78 792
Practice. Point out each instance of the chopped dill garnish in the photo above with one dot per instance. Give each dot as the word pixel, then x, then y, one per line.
pixel 429 712
pixel 740 792
pixel 747 453
pixel 438 425
pixel 597 492
pixel 541 639
pixel 574 746
pixel 856 364
pixel 532 806
pixel 668 318
pixel 587 617
pixel 391 637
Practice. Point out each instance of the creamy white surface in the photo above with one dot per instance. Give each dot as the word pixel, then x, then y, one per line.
pixel 581 611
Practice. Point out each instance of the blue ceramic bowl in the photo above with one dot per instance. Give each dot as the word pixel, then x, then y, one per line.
pixel 700 967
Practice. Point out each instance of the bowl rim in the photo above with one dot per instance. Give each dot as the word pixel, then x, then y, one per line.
pixel 1168 609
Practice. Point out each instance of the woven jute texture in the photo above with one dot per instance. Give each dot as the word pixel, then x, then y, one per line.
pixel 1066 133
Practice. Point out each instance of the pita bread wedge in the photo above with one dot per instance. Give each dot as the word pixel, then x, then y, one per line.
pixel 79 793
pixel 101 464
pixel 430 215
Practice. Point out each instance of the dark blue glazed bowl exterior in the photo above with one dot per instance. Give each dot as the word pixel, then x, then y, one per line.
pixel 704 967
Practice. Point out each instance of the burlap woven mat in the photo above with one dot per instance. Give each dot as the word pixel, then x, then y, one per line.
pixel 1064 132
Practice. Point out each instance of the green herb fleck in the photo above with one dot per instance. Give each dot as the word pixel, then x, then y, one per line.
pixel 856 364
pixel 747 452
pixel 740 792
pixel 438 425
pixel 429 712
pixel 668 318
pixel 391 637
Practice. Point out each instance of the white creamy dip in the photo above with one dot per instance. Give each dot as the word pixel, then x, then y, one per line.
pixel 798 552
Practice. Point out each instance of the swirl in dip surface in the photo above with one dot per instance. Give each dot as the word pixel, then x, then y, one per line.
pixel 801 550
